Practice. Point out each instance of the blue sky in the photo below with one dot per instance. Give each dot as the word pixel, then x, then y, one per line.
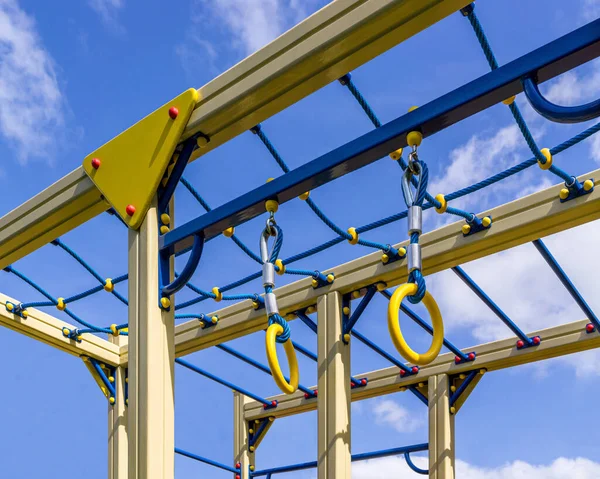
pixel 73 74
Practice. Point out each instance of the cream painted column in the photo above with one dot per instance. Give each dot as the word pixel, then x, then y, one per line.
pixel 241 451
pixel 441 429
pixel 117 423
pixel 334 391
pixel 151 361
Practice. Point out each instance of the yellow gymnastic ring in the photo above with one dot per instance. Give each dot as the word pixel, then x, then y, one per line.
pixel 288 388
pixel 409 289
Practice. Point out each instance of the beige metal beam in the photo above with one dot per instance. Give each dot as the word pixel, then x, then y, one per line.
pixel 151 365
pixel 441 429
pixel 556 341
pixel 340 37
pixel 515 223
pixel 66 204
pixel 241 447
pixel 48 329
pixel 334 435
pixel 117 424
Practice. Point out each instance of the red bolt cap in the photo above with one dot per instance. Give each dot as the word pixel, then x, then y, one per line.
pixel 305 395
pixel 537 340
pixel 173 112
pixel 316 392
pixel 402 372
pixel 96 163
pixel 415 369
pixel 363 382
pixel 130 210
pixel 273 403
pixel 352 385
pixel 471 356
pixel 237 476
pixel 457 359
pixel 520 344
pixel 237 465
pixel 589 327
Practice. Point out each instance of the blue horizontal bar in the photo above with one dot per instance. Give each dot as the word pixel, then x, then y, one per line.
pixel 564 279
pixel 206 461
pixel 355 457
pixel 548 61
pixel 222 381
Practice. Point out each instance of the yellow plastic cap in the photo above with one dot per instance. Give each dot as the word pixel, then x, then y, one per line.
pixel 355 294
pixel 509 101
pixel 165 303
pixel 310 310
pixel 347 337
pixel 25 313
pixel 304 196
pixel 271 206
pixel 548 156
pixel 396 155
pixel 564 194
pixel 202 142
pixel 315 283
pixel 384 258
pixel 486 221
pixel 353 236
pixel 414 138
pixel 588 185
pixel 111 400
pixel 346 310
pixel 165 219
pixel 330 278
pixel 214 319
pixel 412 108
pixel 164 230
pixel 466 229
pixel 10 306
pixel 381 286
pixel 228 233
pixel 114 330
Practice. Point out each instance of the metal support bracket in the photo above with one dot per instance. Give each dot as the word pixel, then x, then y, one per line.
pixel 257 430
pixel 104 376
pixel 461 386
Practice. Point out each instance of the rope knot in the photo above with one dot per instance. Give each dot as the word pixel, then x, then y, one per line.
pixel 277 319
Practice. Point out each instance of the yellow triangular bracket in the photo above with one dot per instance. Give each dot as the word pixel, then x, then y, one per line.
pixel 128 169
pixel 108 373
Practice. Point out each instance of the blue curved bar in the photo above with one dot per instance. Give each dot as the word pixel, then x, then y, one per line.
pixel 412 465
pixel 557 113
pixel 190 267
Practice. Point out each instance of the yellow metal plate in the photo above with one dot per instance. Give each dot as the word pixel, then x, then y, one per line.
pixel 132 164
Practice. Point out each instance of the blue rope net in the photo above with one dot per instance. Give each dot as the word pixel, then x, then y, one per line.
pixel 426 199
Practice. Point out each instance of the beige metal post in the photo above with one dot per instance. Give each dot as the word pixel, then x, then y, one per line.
pixel 441 429
pixel 334 391
pixel 241 452
pixel 151 361
pixel 117 423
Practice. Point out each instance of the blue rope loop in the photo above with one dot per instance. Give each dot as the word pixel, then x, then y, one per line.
pixel 277 319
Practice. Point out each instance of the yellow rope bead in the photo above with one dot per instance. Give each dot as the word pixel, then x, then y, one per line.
pixel 548 156
pixel 509 101
pixel 109 287
pixel 228 233
pixel 486 221
pixel 354 236
pixel 217 293
pixel 564 194
pixel 443 203
pixel 61 306
pixel 466 229
pixel 271 206
pixel 113 328
pixel 281 266
pixel 588 185
pixel 396 155
pixel 165 303
pixel 304 196
pixel 165 219
pixel 164 230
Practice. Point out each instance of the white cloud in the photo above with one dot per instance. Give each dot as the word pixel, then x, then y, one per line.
pixel 572 88
pixel 31 103
pixel 561 468
pixel 595 148
pixel 108 11
pixel 389 413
